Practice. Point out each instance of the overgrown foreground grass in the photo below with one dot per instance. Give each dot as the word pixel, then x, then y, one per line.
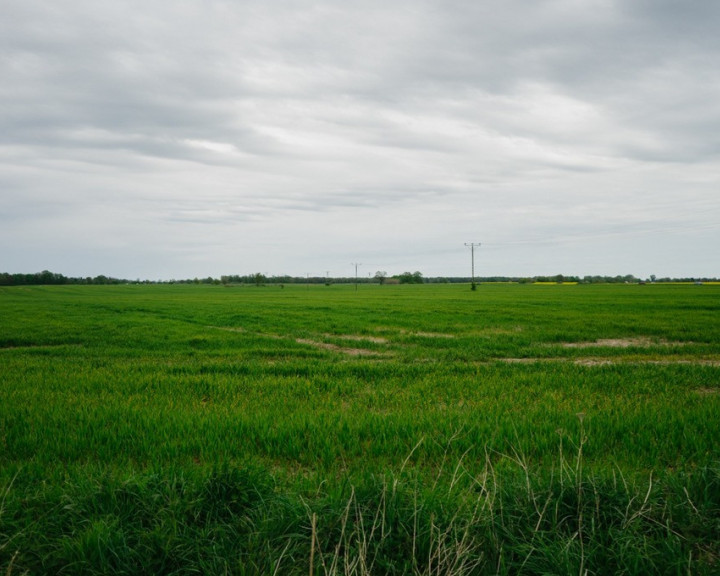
pixel 393 430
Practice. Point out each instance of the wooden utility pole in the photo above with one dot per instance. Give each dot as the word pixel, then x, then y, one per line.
pixel 472 259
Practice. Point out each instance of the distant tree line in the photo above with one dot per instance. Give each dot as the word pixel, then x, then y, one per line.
pixel 45 277
pixel 258 279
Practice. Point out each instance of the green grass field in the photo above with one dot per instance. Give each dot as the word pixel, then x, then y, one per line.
pixel 517 429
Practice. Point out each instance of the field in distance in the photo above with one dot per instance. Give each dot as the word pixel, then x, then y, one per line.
pixel 420 429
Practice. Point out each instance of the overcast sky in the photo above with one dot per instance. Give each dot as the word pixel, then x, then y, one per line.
pixel 189 138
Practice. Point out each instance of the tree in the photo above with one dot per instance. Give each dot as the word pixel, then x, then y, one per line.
pixel 380 277
pixel 410 278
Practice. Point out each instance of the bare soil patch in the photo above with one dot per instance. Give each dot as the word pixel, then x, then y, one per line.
pixel 335 348
pixel 432 335
pixel 576 361
pixel 620 343
pixel 609 342
pixel 228 328
pixel 592 362
pixel 695 362
pixel 595 361
pixel 499 331
pixel 358 338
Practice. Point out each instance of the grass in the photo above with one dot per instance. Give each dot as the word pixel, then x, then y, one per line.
pixel 516 429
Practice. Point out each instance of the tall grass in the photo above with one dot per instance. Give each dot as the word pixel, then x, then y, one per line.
pixel 511 518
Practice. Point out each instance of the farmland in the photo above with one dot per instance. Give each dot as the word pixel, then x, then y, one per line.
pixel 419 429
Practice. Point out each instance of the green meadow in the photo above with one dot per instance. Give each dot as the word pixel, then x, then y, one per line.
pixel 398 429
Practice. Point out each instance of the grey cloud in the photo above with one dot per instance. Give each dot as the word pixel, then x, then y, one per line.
pixel 509 118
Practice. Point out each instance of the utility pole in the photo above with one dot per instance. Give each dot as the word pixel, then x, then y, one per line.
pixel 356 264
pixel 472 257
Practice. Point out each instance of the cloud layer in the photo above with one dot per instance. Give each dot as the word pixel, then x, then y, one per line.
pixel 182 139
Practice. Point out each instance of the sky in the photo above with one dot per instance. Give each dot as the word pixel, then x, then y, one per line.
pixel 189 138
